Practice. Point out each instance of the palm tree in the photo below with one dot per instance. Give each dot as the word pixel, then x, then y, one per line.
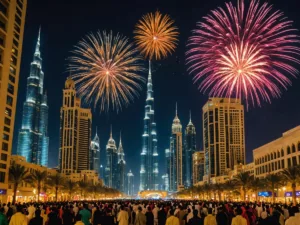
pixel 256 184
pixel 273 181
pixel 70 187
pixel 95 189
pixel 243 179
pixel 292 175
pixel 219 188
pixel 38 178
pixel 207 189
pixel 57 181
pixel 82 185
pixel 229 186
pixel 17 174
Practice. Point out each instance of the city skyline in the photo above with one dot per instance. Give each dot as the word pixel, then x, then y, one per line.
pixel 280 120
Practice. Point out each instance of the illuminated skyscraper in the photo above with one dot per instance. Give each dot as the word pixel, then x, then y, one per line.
pixel 13 14
pixel 198 167
pixel 121 185
pixel 149 155
pixel 189 150
pixel 223 135
pixel 95 154
pixel 75 132
pixel 33 141
pixel 175 157
pixel 130 183
pixel 111 169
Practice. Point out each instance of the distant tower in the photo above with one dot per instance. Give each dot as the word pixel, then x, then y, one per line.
pixel 121 168
pixel 165 181
pixel 75 132
pixel 33 141
pixel 111 168
pixel 95 154
pixel 169 168
pixel 176 177
pixel 189 150
pixel 223 135
pixel 130 183
pixel 198 167
pixel 149 155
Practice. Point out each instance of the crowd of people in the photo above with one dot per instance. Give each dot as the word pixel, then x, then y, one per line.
pixel 158 212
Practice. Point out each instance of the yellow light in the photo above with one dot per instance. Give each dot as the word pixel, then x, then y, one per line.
pixel 240 71
pixel 107 72
pixel 154 38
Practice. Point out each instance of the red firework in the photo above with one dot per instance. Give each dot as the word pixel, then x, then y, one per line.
pixel 244 53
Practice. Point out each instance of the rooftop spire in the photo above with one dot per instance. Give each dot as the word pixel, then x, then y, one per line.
pixel 37 48
pixel 190 116
pixel 176 110
pixel 120 138
pixel 111 131
pixel 150 74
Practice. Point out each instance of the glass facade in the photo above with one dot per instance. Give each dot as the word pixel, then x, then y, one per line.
pixel 33 140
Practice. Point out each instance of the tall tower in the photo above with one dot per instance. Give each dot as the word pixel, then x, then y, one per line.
pixel 95 154
pixel 121 168
pixel 198 167
pixel 176 172
pixel 223 135
pixel 130 183
pixel 189 150
pixel 111 168
pixel 75 132
pixel 149 155
pixel 13 15
pixel 33 141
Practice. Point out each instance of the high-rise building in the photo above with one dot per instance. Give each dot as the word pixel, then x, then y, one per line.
pixel 121 185
pixel 175 158
pixel 111 169
pixel 12 19
pixel 33 141
pixel 149 155
pixel 169 171
pixel 95 154
pixel 189 150
pixel 197 167
pixel 165 182
pixel 130 183
pixel 223 135
pixel 75 132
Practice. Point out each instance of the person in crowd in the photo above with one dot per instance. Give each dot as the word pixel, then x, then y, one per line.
pixel 37 219
pixel 221 217
pixel 67 216
pixel 172 220
pixel 195 220
pixel 210 219
pixel 162 216
pixel 140 218
pixel 238 219
pixel 149 216
pixel 181 214
pixel 189 215
pixel 96 219
pixel 18 218
pixel 78 220
pixel 85 215
pixel 53 217
pixel 3 218
pixel 264 220
pixel 155 214
pixel 123 216
pixel 294 218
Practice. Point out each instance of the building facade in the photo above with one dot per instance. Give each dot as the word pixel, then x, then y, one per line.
pixel 198 167
pixel 33 140
pixel 111 169
pixel 149 154
pixel 175 170
pixel 130 183
pixel 223 135
pixel 95 154
pixel 75 132
pixel 121 184
pixel 279 154
pixel 12 20
pixel 189 150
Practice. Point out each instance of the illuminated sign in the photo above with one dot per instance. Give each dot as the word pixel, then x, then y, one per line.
pixel 290 194
pixel 3 191
pixel 265 194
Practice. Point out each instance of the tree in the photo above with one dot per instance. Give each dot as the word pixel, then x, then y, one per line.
pixel 292 175
pixel 273 181
pixel 219 188
pixel 37 179
pixel 207 189
pixel 95 189
pixel 70 187
pixel 57 181
pixel 230 185
pixel 17 174
pixel 82 185
pixel 243 179
pixel 256 184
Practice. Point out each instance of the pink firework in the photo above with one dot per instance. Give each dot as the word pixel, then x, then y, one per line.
pixel 246 53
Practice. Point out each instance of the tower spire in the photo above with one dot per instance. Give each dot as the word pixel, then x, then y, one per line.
pixel 176 110
pixel 96 131
pixel 150 73
pixel 190 116
pixel 111 131
pixel 120 138
pixel 37 48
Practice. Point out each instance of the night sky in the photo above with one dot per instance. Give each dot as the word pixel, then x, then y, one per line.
pixel 65 22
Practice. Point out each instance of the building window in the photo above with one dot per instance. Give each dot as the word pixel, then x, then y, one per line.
pixel 282 152
pixel 16 43
pixel 6 129
pixel 282 164
pixel 13 60
pixel 10 89
pixel 17 28
pixel 289 162
pixel 8 111
pixel 294 159
pixel 2 166
pixel 298 146
pixel 20 3
pixel 2 177
pixel 12 79
pixel 7 121
pixel 9 100
pixel 293 148
pixel 3 157
pixel 4 146
pixel 18 20
pixel 288 150
pixel 3 8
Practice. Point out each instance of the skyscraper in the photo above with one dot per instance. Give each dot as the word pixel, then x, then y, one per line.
pixel 13 14
pixel 175 163
pixel 75 132
pixel 189 150
pixel 95 154
pixel 130 183
pixel 121 185
pixel 149 155
pixel 223 135
pixel 111 168
pixel 198 167
pixel 33 141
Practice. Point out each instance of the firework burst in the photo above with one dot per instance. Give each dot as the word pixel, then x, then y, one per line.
pixel 244 53
pixel 156 35
pixel 106 69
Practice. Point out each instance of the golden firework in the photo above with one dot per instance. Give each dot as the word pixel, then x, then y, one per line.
pixel 106 69
pixel 156 35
